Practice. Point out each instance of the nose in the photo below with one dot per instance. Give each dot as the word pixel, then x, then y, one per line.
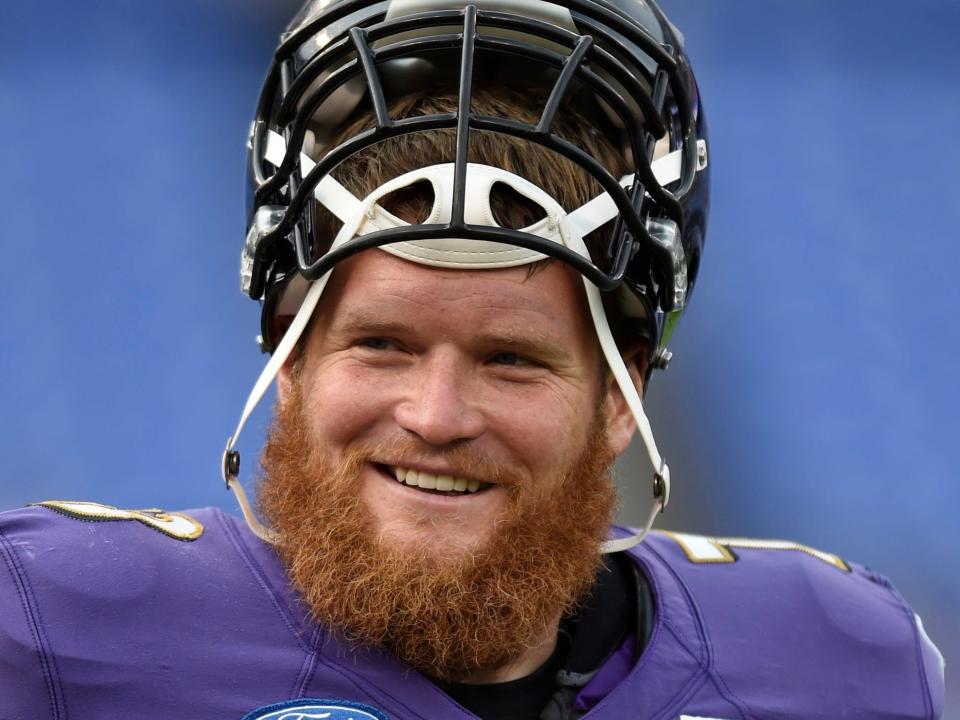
pixel 439 407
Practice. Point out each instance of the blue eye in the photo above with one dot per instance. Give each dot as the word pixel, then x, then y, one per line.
pixel 506 358
pixel 376 343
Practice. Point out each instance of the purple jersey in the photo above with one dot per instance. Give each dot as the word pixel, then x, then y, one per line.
pixel 110 614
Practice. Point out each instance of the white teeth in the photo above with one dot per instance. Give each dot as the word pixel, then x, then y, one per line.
pixel 428 481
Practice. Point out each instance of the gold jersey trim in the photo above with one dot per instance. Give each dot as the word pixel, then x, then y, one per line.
pixel 172 524
pixel 702 549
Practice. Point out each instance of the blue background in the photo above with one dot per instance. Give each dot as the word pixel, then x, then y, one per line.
pixel 813 395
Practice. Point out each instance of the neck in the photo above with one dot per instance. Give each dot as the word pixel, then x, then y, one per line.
pixel 529 661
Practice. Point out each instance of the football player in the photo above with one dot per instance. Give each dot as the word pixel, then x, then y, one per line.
pixel 473 229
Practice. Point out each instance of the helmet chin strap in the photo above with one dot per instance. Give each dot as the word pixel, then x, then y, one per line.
pixel 230 463
pixel 362 217
pixel 661 472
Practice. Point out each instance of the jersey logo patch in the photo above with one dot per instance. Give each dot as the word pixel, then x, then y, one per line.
pixel 171 524
pixel 310 709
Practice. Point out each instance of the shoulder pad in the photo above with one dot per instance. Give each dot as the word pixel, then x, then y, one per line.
pixel 793 631
pixel 147 597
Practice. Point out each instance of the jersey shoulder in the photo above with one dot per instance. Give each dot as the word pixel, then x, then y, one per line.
pixel 796 632
pixel 73 549
pixel 87 588
pixel 71 554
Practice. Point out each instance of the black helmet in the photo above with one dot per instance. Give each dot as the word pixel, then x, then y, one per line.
pixel 621 64
pixel 624 58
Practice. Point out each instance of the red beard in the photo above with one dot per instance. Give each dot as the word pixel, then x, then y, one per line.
pixel 447 617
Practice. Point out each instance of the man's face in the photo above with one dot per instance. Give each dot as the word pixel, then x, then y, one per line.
pixel 488 378
pixel 480 380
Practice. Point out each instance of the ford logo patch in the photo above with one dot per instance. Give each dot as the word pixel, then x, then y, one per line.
pixel 309 709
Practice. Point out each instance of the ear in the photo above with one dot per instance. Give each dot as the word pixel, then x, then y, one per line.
pixel 620 421
pixel 286 376
pixel 285 380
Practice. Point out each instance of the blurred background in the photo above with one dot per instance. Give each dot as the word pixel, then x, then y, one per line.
pixel 813 394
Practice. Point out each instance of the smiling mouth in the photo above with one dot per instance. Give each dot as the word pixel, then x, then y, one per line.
pixel 449 485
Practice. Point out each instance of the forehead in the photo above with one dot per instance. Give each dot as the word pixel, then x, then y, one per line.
pixel 375 284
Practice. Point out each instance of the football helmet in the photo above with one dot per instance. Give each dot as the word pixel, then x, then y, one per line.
pixel 618 61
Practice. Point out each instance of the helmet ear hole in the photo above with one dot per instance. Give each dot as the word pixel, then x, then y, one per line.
pixel 693 262
pixel 512 210
pixel 412 204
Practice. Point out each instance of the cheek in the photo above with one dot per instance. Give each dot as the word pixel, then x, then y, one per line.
pixel 344 406
pixel 547 429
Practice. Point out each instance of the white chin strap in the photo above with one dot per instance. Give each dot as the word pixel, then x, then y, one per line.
pixel 360 217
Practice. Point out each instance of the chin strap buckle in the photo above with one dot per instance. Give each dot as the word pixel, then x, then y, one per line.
pixel 661 495
pixel 661 485
pixel 230 470
pixel 230 463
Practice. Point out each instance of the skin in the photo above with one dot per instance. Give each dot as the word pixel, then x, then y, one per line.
pixel 499 361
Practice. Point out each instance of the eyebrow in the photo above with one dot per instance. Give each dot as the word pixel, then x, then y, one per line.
pixel 365 321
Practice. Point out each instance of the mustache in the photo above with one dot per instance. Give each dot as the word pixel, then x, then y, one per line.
pixel 464 459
